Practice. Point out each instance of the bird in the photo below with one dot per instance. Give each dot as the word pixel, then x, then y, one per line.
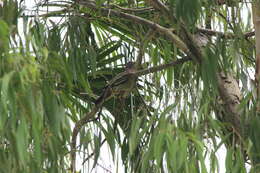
pixel 121 85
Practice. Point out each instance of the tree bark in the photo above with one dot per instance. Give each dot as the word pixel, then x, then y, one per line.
pixel 230 97
pixel 256 21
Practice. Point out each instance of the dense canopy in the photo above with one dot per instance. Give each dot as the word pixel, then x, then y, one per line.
pixel 159 85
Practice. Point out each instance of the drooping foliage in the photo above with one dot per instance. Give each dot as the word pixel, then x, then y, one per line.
pixel 194 95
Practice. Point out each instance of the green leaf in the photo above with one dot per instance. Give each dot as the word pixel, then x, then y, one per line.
pixel 134 135
pixel 188 10
pixel 168 109
pixel 109 134
pixel 93 60
pixel 4 36
pixel 255 138
pixel 109 60
pixel 5 88
pixel 169 76
pixel 54 112
pixel 54 39
pixel 97 145
pixel 182 151
pixel 171 153
pixel 21 141
pixel 155 56
pixel 108 51
pixel 209 69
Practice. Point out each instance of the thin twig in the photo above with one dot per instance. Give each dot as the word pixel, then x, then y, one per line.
pixel 224 35
pixel 132 9
pixel 92 154
pixel 162 67
pixel 107 170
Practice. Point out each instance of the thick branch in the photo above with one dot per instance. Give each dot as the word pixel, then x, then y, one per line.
pixel 256 20
pixel 228 87
pixel 231 97
pixel 138 20
pixel 184 34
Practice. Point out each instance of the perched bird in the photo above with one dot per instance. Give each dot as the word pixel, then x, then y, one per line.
pixel 201 40
pixel 121 85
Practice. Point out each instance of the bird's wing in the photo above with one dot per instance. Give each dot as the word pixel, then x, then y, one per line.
pixel 119 83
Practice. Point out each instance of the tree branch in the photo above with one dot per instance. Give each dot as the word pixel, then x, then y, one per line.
pixel 222 34
pixel 162 67
pixel 256 21
pixel 151 70
pixel 231 97
pixel 184 34
pixel 92 154
pixel 228 91
pixel 75 132
pixel 138 20
pixel 157 4
pixel 132 9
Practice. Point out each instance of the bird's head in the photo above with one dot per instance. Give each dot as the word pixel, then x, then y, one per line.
pixel 129 65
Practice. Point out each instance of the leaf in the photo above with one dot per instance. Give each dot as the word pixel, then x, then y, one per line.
pixel 158 146
pixel 4 36
pixel 171 152
pixel 108 51
pixel 109 134
pixel 109 60
pixel 134 137
pixel 188 10
pixel 169 76
pixel 54 39
pixel 255 138
pixel 209 69
pixel 93 60
pixel 124 150
pixel 155 56
pixel 10 12
pixel 21 141
pixel 168 109
pixel 182 151
pixel 53 111
pixel 86 85
pixel 97 145
pixel 5 88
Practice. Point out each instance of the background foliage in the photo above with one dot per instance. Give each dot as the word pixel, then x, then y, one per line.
pixel 56 58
